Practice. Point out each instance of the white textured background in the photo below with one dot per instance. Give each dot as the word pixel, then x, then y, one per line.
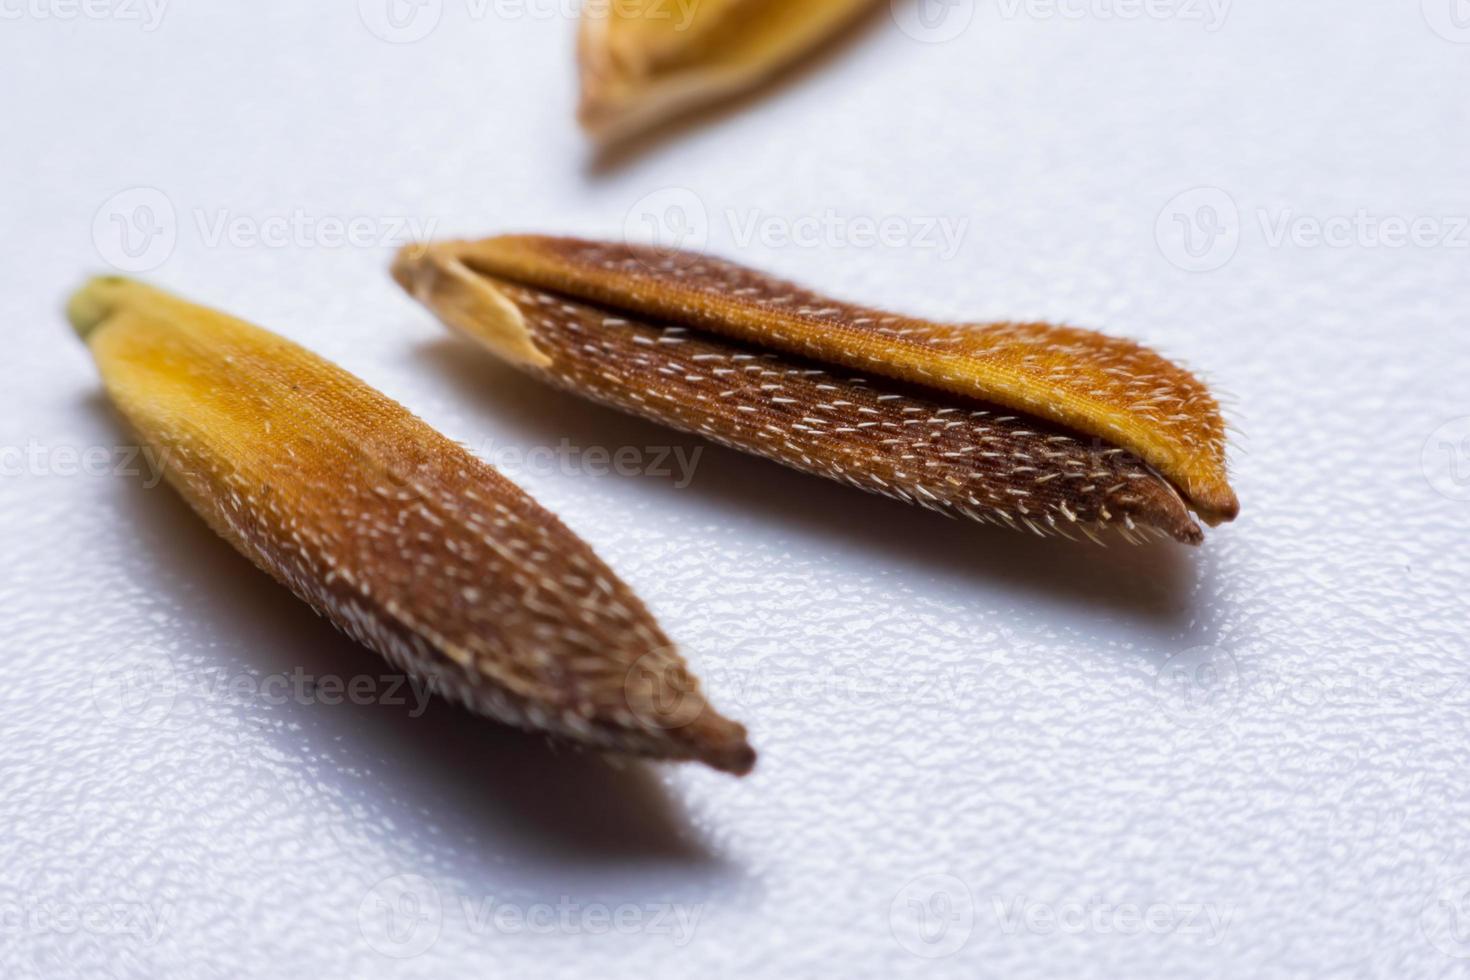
pixel 1244 760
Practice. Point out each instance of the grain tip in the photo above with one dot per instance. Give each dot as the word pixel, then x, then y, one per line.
pixel 407 264
pixel 721 744
pixel 93 303
pixel 1218 506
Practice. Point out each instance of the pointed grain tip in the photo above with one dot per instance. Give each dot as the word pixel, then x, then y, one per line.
pixel 406 265
pixel 738 761
pixel 721 744
pixel 1218 507
pixel 93 303
pixel 1158 504
pixel 1181 526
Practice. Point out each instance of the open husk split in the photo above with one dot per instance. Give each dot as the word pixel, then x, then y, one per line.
pixel 1028 425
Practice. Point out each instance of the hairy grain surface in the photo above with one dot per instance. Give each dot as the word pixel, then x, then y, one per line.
pixel 985 464
pixel 712 348
pixel 1094 384
pixel 400 537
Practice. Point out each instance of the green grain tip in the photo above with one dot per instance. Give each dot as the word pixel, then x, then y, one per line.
pixel 94 303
